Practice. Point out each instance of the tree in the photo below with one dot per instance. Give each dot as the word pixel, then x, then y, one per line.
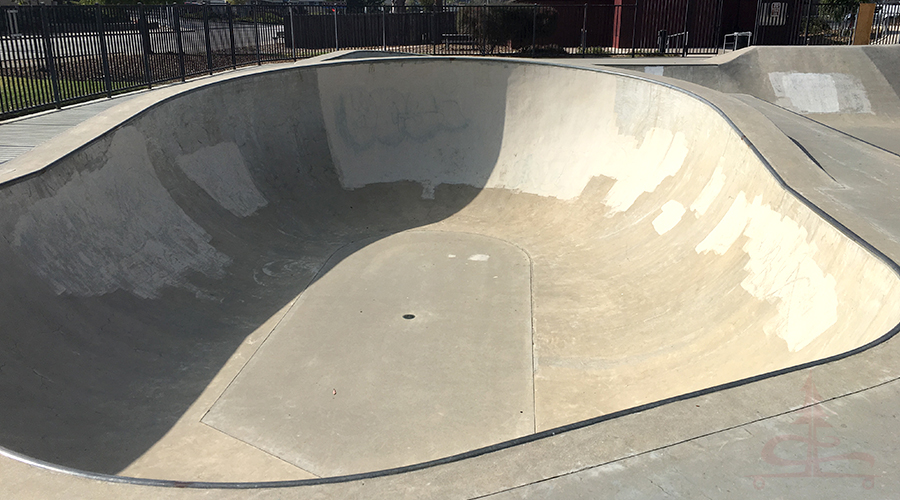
pixel 839 9
pixel 512 25
pixel 361 5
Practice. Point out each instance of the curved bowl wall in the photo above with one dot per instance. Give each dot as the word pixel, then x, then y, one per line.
pixel 657 253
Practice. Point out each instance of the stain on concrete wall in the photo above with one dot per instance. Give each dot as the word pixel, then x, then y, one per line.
pixel 781 268
pixel 820 92
pixel 221 172
pixel 115 228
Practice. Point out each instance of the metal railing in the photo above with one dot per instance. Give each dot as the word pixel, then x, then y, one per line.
pixel 51 56
pixel 736 40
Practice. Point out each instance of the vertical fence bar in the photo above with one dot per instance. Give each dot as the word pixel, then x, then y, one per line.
pixel 383 30
pixel 179 44
pixel 293 30
pixel 209 61
pixel 855 24
pixel 78 86
pixel 57 27
pixel 719 33
pixel 20 97
pixel 48 56
pixel 584 30
pixel 34 93
pixel 634 23
pixel 6 101
pixel 5 81
pixel 534 10
pixel 336 43
pixel 254 10
pixel 67 84
pixel 145 43
pixel 229 13
pixel 43 93
pixel 104 51
pixel 756 24
pixel 687 20
pixel 806 29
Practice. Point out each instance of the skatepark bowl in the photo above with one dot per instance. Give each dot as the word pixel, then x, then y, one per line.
pixel 323 270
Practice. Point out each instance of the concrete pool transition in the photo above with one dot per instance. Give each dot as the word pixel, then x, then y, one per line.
pixel 513 270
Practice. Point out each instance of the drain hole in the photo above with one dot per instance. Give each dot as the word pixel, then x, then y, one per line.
pixel 409 316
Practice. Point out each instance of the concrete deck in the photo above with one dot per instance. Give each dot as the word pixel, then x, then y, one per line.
pixel 658 254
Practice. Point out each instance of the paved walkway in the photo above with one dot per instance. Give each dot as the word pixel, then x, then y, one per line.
pixel 852 444
pixel 20 135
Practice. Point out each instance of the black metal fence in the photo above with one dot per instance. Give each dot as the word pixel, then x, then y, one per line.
pixel 56 55
pixel 886 25
pixel 680 26
pixel 51 56
pixel 813 22
pixel 826 24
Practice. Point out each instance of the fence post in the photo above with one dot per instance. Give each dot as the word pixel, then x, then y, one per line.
pixel 584 31
pixel 852 36
pixel 383 30
pixel 255 10
pixel 179 46
pixel 300 15
pixel 104 51
pixel 806 30
pixel 48 57
pixel 634 28
pixel 293 28
pixel 865 16
pixel 718 32
pixel 336 44
pixel 687 20
pixel 533 28
pixel 209 62
pixel 145 45
pixel 756 24
pixel 229 13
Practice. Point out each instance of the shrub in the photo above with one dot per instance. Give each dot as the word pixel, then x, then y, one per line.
pixel 506 25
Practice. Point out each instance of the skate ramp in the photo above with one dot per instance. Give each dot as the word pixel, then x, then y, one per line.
pixel 854 89
pixel 568 243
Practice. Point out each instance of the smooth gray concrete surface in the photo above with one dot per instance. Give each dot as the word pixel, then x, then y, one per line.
pixel 819 451
pixel 415 347
pixel 865 177
pixel 665 259
pixel 854 89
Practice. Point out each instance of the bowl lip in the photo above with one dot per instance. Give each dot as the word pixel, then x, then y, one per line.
pixel 48 154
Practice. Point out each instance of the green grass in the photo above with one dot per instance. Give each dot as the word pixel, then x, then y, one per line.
pixel 19 93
